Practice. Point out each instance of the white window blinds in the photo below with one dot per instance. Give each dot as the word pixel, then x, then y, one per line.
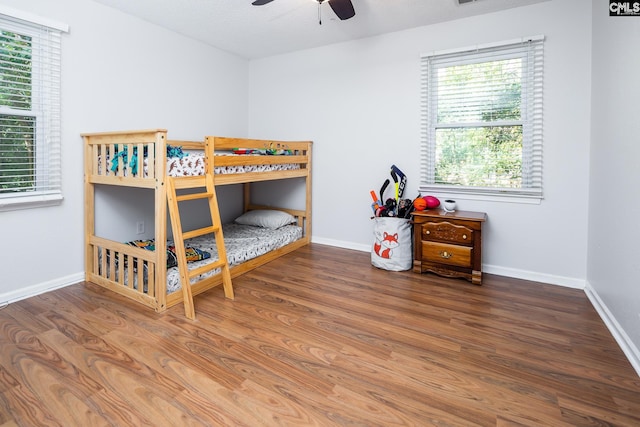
pixel 30 134
pixel 482 119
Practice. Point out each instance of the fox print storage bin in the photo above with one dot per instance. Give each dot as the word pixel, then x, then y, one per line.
pixel 392 242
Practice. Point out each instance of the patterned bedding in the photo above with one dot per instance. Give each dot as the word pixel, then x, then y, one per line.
pixel 242 242
pixel 193 164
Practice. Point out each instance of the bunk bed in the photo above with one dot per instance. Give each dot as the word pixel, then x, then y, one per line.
pixel 146 159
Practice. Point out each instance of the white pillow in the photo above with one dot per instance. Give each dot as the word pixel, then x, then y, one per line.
pixel 267 218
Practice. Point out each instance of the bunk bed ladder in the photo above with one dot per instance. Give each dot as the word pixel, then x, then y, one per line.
pixel 179 236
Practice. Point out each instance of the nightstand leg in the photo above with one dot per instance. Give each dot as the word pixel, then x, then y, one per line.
pixel 476 277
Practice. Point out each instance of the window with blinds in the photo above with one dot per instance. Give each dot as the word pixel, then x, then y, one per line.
pixel 482 120
pixel 30 135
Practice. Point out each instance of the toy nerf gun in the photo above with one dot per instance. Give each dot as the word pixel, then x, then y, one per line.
pixel 377 204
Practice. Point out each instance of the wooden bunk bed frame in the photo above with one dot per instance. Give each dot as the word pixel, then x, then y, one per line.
pixel 153 143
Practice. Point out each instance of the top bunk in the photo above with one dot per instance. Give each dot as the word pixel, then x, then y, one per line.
pixel 144 157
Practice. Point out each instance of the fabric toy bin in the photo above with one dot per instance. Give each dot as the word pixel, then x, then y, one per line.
pixel 392 244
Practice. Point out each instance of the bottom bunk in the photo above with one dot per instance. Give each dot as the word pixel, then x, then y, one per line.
pixel 254 239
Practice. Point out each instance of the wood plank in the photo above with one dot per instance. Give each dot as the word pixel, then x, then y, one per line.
pixel 318 337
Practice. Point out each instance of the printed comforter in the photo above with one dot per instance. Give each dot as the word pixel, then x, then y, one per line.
pixel 242 243
pixel 193 164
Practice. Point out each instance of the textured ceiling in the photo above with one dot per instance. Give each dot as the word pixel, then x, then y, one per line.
pixel 284 26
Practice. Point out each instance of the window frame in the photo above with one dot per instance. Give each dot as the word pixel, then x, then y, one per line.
pixel 532 49
pixel 45 108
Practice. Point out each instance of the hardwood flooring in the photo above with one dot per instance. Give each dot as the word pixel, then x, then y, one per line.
pixel 318 338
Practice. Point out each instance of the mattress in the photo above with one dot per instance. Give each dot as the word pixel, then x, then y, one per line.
pixel 242 243
pixel 193 164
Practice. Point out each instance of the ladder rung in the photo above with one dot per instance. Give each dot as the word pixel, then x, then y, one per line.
pixel 200 232
pixel 183 182
pixel 194 196
pixel 206 268
pixel 205 184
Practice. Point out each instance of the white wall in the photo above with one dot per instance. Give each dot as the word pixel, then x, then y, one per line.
pixel 613 272
pixel 118 73
pixel 359 103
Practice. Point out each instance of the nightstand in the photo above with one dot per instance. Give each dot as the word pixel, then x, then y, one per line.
pixel 448 243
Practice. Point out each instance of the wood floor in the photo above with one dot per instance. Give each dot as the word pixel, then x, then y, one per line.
pixel 322 338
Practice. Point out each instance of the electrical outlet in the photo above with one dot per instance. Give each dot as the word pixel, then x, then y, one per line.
pixel 140 227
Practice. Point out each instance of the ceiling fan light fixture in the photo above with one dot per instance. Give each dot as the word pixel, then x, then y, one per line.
pixel 342 8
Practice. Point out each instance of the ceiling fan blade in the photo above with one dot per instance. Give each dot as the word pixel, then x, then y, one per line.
pixel 261 2
pixel 342 8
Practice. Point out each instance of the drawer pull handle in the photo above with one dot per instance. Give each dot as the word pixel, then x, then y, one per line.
pixel 464 237
pixel 446 255
pixel 427 232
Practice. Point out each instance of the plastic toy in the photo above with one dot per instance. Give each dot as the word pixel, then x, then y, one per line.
pixel 431 201
pixel 419 204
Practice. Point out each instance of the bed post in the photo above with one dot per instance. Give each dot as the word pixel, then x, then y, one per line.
pixel 308 201
pixel 246 196
pixel 159 285
pixel 89 208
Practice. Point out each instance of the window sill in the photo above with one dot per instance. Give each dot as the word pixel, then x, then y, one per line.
pixel 29 202
pixel 464 194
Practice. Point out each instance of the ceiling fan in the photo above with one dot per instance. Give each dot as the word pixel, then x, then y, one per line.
pixel 342 8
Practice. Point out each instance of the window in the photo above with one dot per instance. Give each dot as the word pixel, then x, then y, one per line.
pixel 30 167
pixel 482 120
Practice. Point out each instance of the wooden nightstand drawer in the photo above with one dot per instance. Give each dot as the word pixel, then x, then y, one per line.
pixel 448 243
pixel 444 253
pixel 447 232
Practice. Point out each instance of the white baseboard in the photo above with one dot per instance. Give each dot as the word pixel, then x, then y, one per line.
pixel 40 288
pixel 628 347
pixel 568 282
pixel 341 244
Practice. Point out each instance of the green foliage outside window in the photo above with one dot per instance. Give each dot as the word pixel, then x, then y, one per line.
pixel 17 131
pixel 479 125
